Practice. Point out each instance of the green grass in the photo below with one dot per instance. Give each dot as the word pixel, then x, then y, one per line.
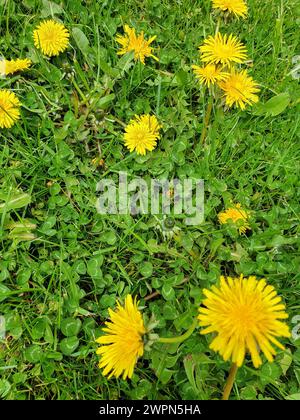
pixel 80 261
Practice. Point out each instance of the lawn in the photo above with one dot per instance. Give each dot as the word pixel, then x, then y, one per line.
pixel 63 265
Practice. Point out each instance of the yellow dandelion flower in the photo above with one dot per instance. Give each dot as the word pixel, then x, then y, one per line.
pixel 9 108
pixel 223 49
pixel 142 133
pixel 245 314
pixel 13 66
pixel 51 37
pixel 237 215
pixel 239 89
pixel 136 43
pixel 209 74
pixel 237 7
pixel 122 344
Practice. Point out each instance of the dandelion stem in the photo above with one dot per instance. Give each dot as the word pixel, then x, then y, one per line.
pixel 119 121
pixel 230 381
pixel 84 98
pixel 180 338
pixel 206 120
pixel 218 24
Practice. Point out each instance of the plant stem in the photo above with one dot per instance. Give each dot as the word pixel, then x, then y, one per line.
pixel 206 120
pixel 180 338
pixel 84 98
pixel 230 381
pixel 218 24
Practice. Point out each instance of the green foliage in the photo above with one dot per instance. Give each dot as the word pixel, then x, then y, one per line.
pixel 62 265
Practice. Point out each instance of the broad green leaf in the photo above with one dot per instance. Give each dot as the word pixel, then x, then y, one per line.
pixel 19 377
pixel 105 101
pixel 4 387
pixel 249 393
pixel 48 336
pixel 80 267
pixel 294 397
pixel 69 345
pixel 107 69
pixel 13 201
pixel 273 106
pixel 38 329
pixel 125 62
pixel 269 372
pixel 146 269
pixel 161 362
pixel 54 355
pixel 50 8
pixel 166 375
pixel 70 326
pixel 189 367
pixel 168 292
pixel 3 292
pixel 286 361
pixel 81 40
pixel 33 353
pixel 93 266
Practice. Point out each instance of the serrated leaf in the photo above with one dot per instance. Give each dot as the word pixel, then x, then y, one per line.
pixel 93 266
pixel 146 269
pixel 286 361
pixel 269 371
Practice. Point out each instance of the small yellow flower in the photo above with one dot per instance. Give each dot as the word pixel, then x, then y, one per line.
pixel 122 344
pixel 245 314
pixel 136 43
pixel 9 108
pixel 13 66
pixel 51 37
pixel 237 215
pixel 239 89
pixel 223 49
pixel 142 133
pixel 209 74
pixel 237 7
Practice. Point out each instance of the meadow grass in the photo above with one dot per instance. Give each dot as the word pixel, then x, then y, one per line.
pixel 56 288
